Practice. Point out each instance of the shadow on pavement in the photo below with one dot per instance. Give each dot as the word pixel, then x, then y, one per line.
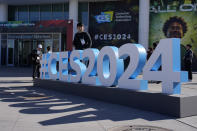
pixel 190 84
pixel 15 71
pixel 12 82
pixel 76 109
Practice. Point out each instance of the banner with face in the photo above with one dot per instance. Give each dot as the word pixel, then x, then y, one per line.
pixel 174 19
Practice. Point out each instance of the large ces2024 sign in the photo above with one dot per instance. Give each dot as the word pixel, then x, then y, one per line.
pixel 106 67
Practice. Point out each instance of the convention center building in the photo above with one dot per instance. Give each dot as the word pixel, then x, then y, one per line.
pixel 26 23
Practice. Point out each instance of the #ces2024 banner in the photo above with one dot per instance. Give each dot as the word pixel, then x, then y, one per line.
pixel 174 18
pixel 113 23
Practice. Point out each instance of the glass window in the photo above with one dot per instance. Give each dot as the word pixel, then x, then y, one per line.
pixel 55 46
pixel 23 13
pixel 47 42
pixel 56 36
pixel 34 14
pixel 63 42
pixel 83 14
pixel 10 47
pixel 12 13
pixel 45 12
pixel 3 52
pixel 57 11
pixel 4 36
pixel 66 10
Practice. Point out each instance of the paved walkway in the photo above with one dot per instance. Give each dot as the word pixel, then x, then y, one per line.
pixel 26 108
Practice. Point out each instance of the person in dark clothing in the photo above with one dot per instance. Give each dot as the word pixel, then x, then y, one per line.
pixel 36 57
pixel 82 39
pixel 149 52
pixel 188 61
pixel 155 45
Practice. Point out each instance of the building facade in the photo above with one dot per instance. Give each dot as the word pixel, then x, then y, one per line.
pixel 109 22
pixel 19 35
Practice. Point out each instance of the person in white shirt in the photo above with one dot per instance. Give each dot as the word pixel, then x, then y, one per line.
pixel 49 49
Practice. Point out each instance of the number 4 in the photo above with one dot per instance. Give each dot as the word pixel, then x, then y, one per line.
pixel 167 55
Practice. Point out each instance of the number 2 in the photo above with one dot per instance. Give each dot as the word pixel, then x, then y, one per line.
pixel 89 77
pixel 137 54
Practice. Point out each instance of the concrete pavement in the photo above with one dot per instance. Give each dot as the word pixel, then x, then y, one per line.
pixel 26 108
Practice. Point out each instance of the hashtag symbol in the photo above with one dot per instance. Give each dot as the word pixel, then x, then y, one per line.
pixel 96 37
pixel 44 74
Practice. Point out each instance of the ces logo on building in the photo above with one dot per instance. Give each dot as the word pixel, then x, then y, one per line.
pixel 104 17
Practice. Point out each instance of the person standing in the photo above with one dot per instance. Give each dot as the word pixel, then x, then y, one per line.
pixel 149 52
pixel 82 39
pixel 36 57
pixel 188 61
pixel 49 49
pixel 155 45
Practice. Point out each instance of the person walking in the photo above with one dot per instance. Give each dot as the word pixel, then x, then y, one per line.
pixel 82 39
pixel 36 57
pixel 188 61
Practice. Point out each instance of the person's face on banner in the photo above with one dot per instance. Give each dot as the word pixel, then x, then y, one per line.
pixel 175 30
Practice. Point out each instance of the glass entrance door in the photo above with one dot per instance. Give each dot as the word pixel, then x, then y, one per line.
pixel 25 49
pixel 10 53
pixel 3 49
